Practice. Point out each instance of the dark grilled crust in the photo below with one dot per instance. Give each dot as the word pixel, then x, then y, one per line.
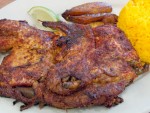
pixel 85 67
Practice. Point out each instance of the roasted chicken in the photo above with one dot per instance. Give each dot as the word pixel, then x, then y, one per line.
pixel 77 67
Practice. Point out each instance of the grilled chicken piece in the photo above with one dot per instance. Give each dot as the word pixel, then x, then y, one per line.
pixel 79 68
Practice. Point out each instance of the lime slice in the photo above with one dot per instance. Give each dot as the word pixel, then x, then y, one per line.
pixel 39 13
pixel 43 14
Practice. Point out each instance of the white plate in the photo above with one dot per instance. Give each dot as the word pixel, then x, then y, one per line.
pixel 136 96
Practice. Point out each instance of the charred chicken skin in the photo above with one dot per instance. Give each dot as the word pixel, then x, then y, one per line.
pixel 79 67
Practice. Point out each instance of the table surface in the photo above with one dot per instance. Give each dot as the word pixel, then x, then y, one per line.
pixel 5 2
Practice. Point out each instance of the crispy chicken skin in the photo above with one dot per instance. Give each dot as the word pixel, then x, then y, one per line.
pixel 80 67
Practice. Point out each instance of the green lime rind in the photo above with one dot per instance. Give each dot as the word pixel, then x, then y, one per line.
pixel 40 13
pixel 39 10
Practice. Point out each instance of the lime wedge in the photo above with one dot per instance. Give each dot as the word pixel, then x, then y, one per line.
pixel 39 13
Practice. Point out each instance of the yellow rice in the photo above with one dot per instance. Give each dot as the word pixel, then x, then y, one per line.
pixel 134 20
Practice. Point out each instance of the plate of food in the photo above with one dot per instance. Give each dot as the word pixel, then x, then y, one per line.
pixel 75 56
